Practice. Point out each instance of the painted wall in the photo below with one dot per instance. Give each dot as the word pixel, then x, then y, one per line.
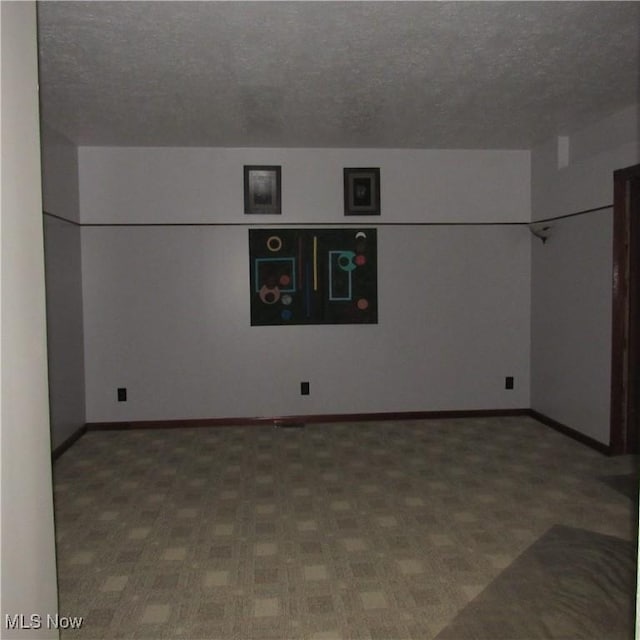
pixel 28 569
pixel 63 285
pixel 166 308
pixel 571 274
pixel 60 193
pixel 594 153
pixel 124 185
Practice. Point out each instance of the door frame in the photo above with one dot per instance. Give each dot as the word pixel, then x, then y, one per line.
pixel 623 436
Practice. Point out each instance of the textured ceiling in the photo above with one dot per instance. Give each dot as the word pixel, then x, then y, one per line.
pixel 334 74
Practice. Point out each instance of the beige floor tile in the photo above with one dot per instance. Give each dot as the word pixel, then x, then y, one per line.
pixel 315 572
pixel 216 578
pixel 174 554
pixel 266 607
pixel 155 614
pixel 373 600
pixel 115 583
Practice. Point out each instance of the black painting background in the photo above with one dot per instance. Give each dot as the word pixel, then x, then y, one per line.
pixel 309 306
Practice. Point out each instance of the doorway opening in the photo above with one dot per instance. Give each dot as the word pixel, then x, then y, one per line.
pixel 625 348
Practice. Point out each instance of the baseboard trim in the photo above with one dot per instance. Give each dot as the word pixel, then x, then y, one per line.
pixel 305 419
pixel 72 439
pixel 571 433
pixel 278 421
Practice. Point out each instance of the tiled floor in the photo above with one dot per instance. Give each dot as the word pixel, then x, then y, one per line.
pixel 361 530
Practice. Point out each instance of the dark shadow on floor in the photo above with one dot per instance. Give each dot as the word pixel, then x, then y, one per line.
pixel 626 484
pixel 571 584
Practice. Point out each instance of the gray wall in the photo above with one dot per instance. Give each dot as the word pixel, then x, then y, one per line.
pixel 166 309
pixel 27 537
pixel 205 185
pixel 64 285
pixel 572 274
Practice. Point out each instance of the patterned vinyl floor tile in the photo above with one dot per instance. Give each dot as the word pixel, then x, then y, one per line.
pixel 379 530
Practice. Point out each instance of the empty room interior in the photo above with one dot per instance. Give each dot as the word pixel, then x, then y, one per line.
pixel 319 320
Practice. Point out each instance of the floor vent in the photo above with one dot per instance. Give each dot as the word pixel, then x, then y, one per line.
pixel 285 424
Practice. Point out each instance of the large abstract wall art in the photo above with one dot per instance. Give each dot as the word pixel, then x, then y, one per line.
pixel 313 276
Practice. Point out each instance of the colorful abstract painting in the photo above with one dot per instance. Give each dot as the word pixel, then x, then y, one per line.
pixel 313 276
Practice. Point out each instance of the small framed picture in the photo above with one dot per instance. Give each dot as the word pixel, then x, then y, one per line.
pixel 262 186
pixel 362 192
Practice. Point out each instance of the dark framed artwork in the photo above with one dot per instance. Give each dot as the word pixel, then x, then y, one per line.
pixel 262 189
pixel 313 276
pixel 362 192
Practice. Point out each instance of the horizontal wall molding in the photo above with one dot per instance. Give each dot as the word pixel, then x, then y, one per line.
pixel 573 215
pixel 286 421
pixel 62 218
pixel 571 433
pixel 367 222
pixel 363 222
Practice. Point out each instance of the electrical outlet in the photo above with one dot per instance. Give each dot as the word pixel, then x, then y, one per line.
pixel 508 382
pixel 304 388
pixel 122 394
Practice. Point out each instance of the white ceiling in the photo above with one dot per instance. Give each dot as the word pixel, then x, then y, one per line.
pixel 334 74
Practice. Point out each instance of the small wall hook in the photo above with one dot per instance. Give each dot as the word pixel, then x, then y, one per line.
pixel 540 232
